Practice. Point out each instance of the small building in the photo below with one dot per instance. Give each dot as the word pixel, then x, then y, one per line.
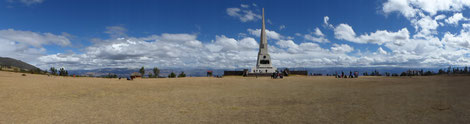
pixel 135 75
pixel 209 73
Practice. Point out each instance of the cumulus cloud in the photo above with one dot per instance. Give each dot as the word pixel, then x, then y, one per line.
pixel 454 20
pixel 316 36
pixel 411 8
pixel 341 48
pixel 27 2
pixel 116 31
pixel 166 50
pixel 243 13
pixel 402 6
pixel 244 5
pixel 28 45
pixel 420 13
pixel 381 51
pixel 33 38
pixel 426 26
pixel 346 32
pixel 270 34
pixel 461 40
pixel 185 50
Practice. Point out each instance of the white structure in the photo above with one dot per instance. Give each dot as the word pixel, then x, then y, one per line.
pixel 263 64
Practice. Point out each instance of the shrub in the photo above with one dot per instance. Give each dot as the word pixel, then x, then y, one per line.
pixel 172 75
pixel 182 74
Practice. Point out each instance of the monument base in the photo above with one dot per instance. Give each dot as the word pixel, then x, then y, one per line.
pixel 263 70
pixel 259 74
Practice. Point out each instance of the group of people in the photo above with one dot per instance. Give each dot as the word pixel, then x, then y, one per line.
pixel 276 75
pixel 351 75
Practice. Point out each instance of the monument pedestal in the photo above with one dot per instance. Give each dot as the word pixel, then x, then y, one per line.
pixel 263 70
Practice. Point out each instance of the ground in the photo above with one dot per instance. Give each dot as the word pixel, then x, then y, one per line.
pixel 299 99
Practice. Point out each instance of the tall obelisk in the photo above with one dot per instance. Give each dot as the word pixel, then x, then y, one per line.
pixel 263 64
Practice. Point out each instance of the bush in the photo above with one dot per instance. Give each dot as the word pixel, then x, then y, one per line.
pixel 172 75
pixel 182 74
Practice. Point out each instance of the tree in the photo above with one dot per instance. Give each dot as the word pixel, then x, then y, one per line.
pixel 448 70
pixel 172 75
pixel 37 70
pixel 62 72
pixel 465 70
pixel 441 71
pixel 428 73
pixel 182 74
pixel 53 71
pixel 150 75
pixel 156 72
pixel 111 76
pixel 142 71
pixel 403 74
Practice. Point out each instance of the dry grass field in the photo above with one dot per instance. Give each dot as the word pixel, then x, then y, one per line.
pixel 43 99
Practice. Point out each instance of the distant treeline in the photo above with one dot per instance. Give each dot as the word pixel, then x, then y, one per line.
pixel 141 73
pixel 448 71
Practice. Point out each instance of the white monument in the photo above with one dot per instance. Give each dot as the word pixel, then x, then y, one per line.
pixel 263 64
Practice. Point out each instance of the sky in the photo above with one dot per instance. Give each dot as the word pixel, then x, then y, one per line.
pixel 90 34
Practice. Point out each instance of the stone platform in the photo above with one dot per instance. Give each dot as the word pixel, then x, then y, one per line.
pixel 259 74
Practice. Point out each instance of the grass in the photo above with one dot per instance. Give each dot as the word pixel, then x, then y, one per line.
pixel 299 99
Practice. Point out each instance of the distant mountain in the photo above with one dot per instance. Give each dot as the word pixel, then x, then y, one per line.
pixel 10 62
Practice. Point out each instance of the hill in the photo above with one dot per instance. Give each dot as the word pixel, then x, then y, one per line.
pixel 10 62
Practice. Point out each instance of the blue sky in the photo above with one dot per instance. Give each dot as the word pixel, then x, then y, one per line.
pixel 81 34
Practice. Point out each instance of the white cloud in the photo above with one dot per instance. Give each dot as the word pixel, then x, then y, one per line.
pixel 116 31
pixel 178 50
pixel 319 36
pixel 27 2
pixel 420 13
pixel 32 38
pixel 243 13
pixel 318 32
pixel 454 20
pixel 343 48
pixel 382 36
pixel 402 6
pixel 270 34
pixel 439 17
pixel 381 51
pixel 28 45
pixel 244 5
pixel 345 32
pixel 316 39
pixel 426 26
pixel 326 23
pixel 410 8
pixel 461 40
pixel 466 26
pixel 282 27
